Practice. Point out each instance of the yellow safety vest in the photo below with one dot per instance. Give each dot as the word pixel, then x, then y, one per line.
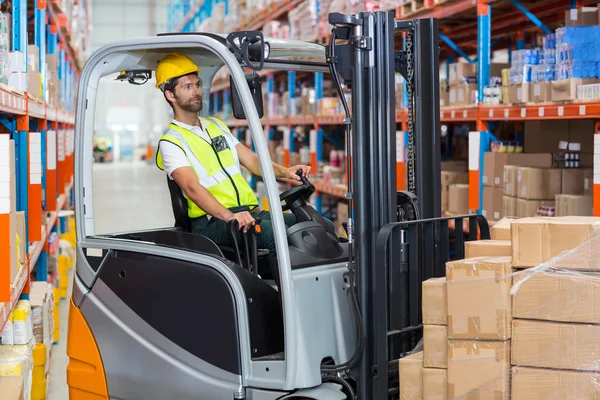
pixel 214 164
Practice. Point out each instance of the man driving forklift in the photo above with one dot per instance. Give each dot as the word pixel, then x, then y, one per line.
pixel 204 158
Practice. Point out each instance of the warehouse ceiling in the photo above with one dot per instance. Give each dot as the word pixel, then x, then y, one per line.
pixel 115 20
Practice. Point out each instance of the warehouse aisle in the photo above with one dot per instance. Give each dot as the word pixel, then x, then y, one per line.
pixel 127 196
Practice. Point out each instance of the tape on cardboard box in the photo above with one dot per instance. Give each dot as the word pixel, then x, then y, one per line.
pixel 479 304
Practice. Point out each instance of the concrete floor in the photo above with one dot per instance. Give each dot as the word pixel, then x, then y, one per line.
pixel 127 196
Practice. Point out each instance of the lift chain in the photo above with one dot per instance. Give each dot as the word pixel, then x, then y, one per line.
pixel 410 101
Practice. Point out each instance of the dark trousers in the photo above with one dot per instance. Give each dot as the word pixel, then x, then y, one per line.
pixel 216 229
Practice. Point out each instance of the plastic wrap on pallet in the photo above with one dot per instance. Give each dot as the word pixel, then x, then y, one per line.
pixel 547 292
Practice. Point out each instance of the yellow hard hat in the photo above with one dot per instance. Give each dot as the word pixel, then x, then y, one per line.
pixel 174 65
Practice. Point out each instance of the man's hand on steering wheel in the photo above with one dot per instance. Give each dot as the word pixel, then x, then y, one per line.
pixel 290 173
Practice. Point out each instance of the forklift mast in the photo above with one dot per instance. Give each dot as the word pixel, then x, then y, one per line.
pixel 367 62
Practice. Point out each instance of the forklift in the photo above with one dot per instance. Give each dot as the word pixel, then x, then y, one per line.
pixel 168 314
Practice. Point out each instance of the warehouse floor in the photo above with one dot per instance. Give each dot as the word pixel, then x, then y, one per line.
pixel 127 196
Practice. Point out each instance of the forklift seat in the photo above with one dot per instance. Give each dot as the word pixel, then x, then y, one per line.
pixel 233 253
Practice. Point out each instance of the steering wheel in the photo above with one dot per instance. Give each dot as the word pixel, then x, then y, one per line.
pixel 301 192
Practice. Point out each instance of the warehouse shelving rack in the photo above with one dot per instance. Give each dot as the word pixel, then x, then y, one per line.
pixel 470 29
pixel 43 137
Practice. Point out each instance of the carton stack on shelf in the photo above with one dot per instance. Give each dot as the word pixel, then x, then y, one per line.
pixel 462 82
pixel 516 184
pixel 455 188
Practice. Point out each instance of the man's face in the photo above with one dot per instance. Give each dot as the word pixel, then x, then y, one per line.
pixel 187 94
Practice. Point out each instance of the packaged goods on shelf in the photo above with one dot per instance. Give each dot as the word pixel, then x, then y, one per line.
pixel 493 164
pixel 303 21
pixel 584 16
pixel 411 376
pixel 434 301
pixel 463 94
pixel 539 183
pixel 509 207
pixel 492 207
pixel 459 71
pixel 458 199
pixel 448 178
pixel 573 205
pixel 532 208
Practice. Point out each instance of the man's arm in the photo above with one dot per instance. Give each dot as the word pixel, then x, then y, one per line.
pixel 188 182
pixel 249 159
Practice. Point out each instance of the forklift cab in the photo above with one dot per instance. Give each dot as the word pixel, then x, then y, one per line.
pixel 165 313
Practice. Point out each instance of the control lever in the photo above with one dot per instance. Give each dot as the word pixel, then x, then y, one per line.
pixel 249 242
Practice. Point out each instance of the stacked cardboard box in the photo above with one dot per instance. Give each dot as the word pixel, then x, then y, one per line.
pixel 556 329
pixel 500 180
pixel 450 178
pixel 479 321
pixel 462 82
pixel 435 339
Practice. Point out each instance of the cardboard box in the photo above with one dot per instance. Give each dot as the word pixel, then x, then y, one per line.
pixel 556 345
pixel 449 178
pixel 493 164
pixel 496 69
pixel 537 240
pixel 539 183
pixel 557 296
pixel 509 207
pixel 411 376
pixel 458 196
pixel 542 384
pixel 566 90
pixel 454 166
pixel 541 92
pixel 573 180
pixel 479 303
pixel 501 229
pixel 444 98
pixel 584 16
pixel 511 183
pixel 529 208
pixel 463 94
pixel 12 387
pixel 434 302
pixel 488 248
pixel 492 203
pixel 457 71
pixel 478 369
pixel 568 205
pixel 34 84
pixel 588 182
pixel 435 384
pixel 435 346
pixel 521 93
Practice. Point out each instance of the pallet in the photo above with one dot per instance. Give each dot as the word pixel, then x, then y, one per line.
pixel 411 7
